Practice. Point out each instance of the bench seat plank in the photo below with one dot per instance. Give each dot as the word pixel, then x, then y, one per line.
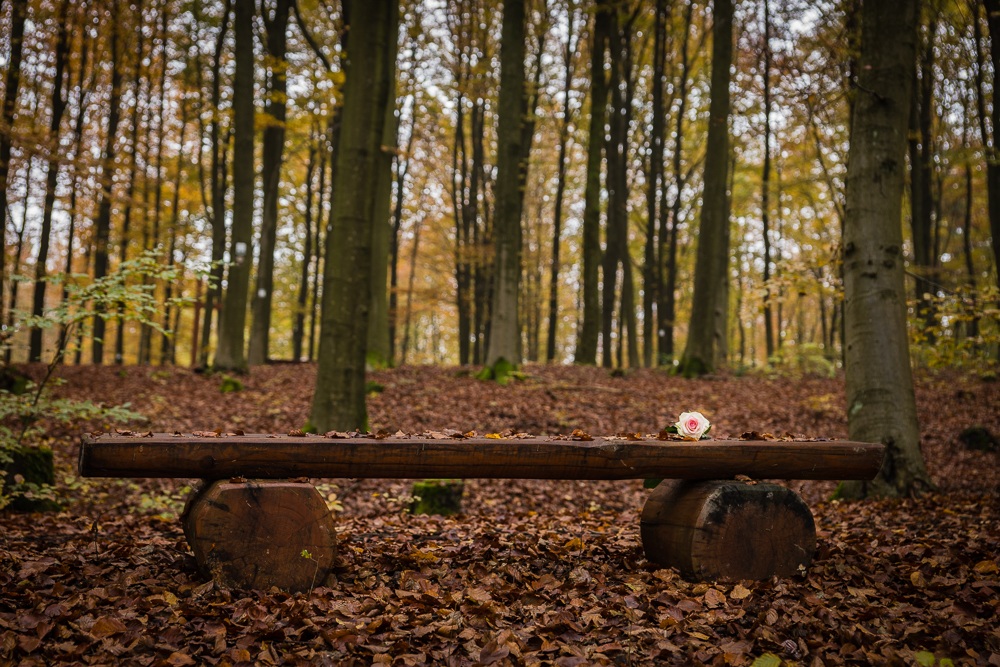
pixel 276 457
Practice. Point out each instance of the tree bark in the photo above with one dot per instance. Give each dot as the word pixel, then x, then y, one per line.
pixel 652 277
pixel 218 188
pixel 230 353
pixel 273 154
pixel 339 398
pixel 550 350
pixel 300 312
pixel 504 331
pixel 102 224
pixel 586 344
pixel 880 398
pixel 51 178
pixel 765 187
pixel 19 13
pixel 666 311
pixel 379 352
pixel 989 146
pixel 699 353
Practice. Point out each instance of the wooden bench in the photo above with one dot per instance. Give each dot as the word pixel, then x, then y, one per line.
pixel 701 519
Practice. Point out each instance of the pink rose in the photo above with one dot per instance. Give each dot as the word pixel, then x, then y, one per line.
pixel 692 425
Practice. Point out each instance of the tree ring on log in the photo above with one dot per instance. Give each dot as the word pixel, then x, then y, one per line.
pixel 722 530
pixel 252 535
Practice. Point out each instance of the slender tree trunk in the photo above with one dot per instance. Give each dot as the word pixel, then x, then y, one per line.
pixel 15 270
pixel 273 155
pixel 550 350
pixel 51 178
pixel 19 13
pixel 300 312
pixel 973 325
pixel 218 186
pixel 81 114
pixel 589 330
pixel 699 354
pixel 880 398
pixel 379 353
pixel 666 313
pixel 765 205
pixel 339 399
pixel 146 331
pixel 137 80
pixel 651 275
pixel 402 166
pixel 102 224
pixel 614 151
pixel 504 332
pixel 409 290
pixel 230 353
pixel 166 354
pixel 317 254
pixel 989 143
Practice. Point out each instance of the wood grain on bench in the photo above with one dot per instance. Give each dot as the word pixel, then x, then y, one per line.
pixel 276 457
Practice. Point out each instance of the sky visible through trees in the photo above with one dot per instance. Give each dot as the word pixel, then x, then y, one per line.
pixel 168 165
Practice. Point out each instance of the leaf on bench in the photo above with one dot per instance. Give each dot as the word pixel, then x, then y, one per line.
pixel 580 435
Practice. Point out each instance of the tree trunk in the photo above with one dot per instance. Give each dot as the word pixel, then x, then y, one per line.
pixel 137 81
pixel 300 311
pixel 19 13
pixel 699 353
pixel 550 351
pixel 652 277
pixel 989 147
pixel 218 187
pixel 504 332
pixel 379 353
pixel 880 398
pixel 52 177
pixel 339 399
pixel 666 311
pixel 102 224
pixel 166 356
pixel 402 166
pixel 765 187
pixel 230 353
pixel 273 154
pixel 589 330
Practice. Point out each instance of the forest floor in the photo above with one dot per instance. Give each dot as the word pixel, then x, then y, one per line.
pixel 531 572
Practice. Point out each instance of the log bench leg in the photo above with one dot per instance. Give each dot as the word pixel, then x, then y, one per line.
pixel 723 530
pixel 251 534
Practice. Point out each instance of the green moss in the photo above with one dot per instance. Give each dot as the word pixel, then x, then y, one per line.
pixel 29 471
pixel 230 385
pixel 372 387
pixel 693 367
pixel 437 496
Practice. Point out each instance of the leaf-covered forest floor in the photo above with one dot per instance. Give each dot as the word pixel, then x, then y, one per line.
pixel 548 572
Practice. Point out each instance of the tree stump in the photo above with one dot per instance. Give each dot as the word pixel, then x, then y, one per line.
pixel 437 496
pixel 727 531
pixel 252 534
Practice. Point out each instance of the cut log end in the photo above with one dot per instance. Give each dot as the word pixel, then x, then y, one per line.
pixel 252 535
pixel 728 531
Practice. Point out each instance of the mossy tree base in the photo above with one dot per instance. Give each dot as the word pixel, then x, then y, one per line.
pixel 35 467
pixel 437 496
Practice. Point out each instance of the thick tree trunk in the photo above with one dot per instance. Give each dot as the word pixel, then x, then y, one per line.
pixel 504 331
pixel 102 224
pixel 218 185
pixel 19 13
pixel 51 178
pixel 273 154
pixel 230 353
pixel 880 399
pixel 339 399
pixel 699 353
pixel 590 328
